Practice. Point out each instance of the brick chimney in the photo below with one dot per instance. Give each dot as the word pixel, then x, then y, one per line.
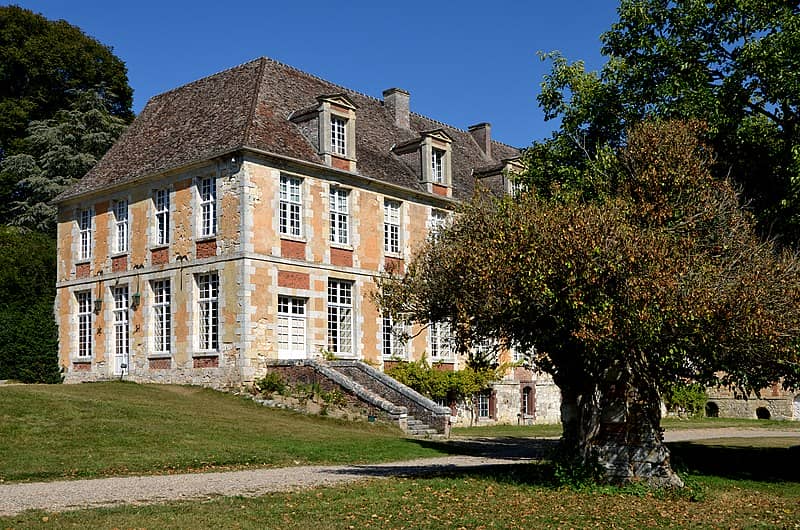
pixel 482 133
pixel 396 102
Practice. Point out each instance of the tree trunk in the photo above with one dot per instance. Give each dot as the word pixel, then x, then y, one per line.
pixel 616 427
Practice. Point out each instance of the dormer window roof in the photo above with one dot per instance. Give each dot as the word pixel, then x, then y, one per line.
pixel 499 176
pixel 330 125
pixel 430 154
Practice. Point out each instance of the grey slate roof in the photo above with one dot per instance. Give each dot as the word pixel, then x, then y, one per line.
pixel 248 107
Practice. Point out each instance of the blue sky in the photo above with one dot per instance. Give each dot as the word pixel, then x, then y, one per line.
pixel 463 62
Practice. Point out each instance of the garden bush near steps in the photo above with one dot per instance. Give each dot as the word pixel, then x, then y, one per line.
pixel 274 390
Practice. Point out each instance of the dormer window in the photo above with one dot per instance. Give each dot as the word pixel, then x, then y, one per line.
pixel 338 136
pixel 330 126
pixel 430 155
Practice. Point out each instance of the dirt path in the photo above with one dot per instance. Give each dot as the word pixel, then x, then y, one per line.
pixel 76 494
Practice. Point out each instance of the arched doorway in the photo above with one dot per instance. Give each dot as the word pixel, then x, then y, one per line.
pixel 712 410
pixel 762 413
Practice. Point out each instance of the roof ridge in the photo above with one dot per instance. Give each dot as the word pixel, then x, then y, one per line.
pixel 251 115
pixel 318 78
pixel 204 78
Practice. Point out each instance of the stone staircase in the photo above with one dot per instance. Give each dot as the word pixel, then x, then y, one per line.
pixel 379 394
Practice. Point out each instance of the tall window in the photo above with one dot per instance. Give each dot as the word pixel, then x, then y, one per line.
pixel 526 401
pixel 394 339
pixel 162 316
pixel 161 203
pixel 120 226
pixel 482 403
pixel 208 206
pixel 340 317
pixel 85 229
pixel 340 217
pixel 208 305
pixel 291 327
pixel 440 341
pixel 121 328
pixel 391 226
pixel 437 166
pixel 84 299
pixel 291 206
pixel 437 222
pixel 338 135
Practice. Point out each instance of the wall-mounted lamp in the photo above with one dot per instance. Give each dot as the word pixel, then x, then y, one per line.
pixel 98 305
pixel 135 299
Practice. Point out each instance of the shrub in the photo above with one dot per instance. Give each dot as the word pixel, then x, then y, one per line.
pixel 271 383
pixel 685 398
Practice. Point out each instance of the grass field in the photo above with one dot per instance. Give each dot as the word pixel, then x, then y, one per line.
pixel 671 424
pixel 514 498
pixel 49 432
pixel 103 429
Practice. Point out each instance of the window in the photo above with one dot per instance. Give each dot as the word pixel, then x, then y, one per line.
pixel 121 329
pixel 291 327
pixel 120 226
pixel 391 226
pixel 527 409
pixel 208 305
pixel 437 222
pixel 85 229
pixel 394 339
pixel 339 216
pixel 162 316
pixel 440 341
pixel 208 206
pixel 161 204
pixel 84 299
pixel 291 206
pixel 482 404
pixel 338 135
pixel 437 166
pixel 340 317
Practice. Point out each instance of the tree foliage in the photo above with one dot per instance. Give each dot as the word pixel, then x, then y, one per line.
pixel 647 276
pixel 43 63
pixel 28 334
pixel 58 152
pixel 734 65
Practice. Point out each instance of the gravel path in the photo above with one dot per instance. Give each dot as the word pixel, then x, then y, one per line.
pixel 76 494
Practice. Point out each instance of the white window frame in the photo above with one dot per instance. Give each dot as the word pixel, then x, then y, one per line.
pixel 122 330
pixel 483 405
pixel 440 341
pixel 394 343
pixel 526 400
pixel 207 194
pixel 340 215
pixel 292 327
pixel 438 174
pixel 85 234
pixel 338 135
pixel 162 315
pixel 84 314
pixel 121 232
pixel 392 240
pixel 340 317
pixel 290 216
pixel 437 221
pixel 208 311
pixel 161 216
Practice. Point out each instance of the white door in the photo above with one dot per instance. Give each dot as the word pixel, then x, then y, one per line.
pixel 121 331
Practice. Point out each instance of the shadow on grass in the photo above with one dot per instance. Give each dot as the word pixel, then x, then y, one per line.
pixel 505 448
pixel 742 463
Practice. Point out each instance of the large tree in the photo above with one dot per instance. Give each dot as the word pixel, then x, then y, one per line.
pixel 735 65
pixel 58 152
pixel 45 66
pixel 646 276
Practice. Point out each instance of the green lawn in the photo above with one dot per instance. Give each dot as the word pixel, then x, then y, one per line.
pixel 513 498
pixel 670 424
pixel 103 429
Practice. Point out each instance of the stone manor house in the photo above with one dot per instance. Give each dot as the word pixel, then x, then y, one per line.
pixel 242 219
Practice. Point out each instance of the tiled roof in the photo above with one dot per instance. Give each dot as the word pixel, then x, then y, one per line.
pixel 248 106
